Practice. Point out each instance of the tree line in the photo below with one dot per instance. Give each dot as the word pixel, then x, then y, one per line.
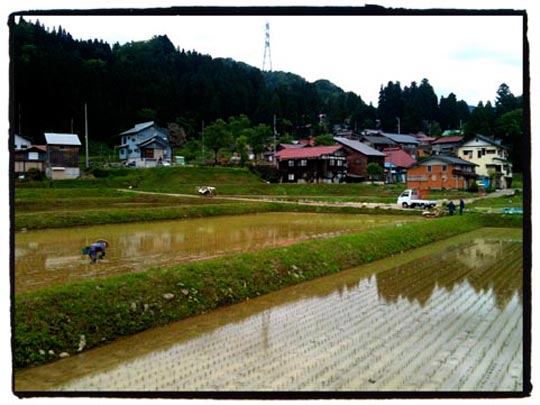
pixel 53 76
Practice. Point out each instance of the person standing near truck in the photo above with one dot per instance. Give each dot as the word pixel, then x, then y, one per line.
pixel 451 207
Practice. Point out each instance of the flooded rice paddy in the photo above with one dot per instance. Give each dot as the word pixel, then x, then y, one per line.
pixel 49 257
pixel 445 317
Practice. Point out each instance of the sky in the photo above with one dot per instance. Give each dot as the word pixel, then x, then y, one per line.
pixel 467 55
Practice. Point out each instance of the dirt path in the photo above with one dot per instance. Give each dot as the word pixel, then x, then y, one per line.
pixel 498 193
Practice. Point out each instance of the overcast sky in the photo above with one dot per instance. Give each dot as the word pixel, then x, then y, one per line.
pixel 467 55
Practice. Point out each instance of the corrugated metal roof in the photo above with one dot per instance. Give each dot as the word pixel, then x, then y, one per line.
pixel 138 128
pixel 359 146
pixel 447 139
pixel 62 139
pixel 402 138
pixel 447 159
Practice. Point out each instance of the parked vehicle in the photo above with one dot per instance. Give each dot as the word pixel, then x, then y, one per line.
pixel 410 198
pixel 207 191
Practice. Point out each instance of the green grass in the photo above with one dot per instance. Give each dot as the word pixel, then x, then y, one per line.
pixel 106 309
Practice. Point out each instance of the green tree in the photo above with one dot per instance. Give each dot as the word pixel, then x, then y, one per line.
pixel 217 136
pixel 375 171
pixel 177 136
pixel 259 137
pixel 505 100
pixel 324 140
pixel 510 128
pixel 479 122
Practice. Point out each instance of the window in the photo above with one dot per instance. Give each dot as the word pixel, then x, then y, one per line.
pixel 444 168
pixel 340 162
pixel 490 151
pixel 291 176
pixel 291 163
pixel 479 154
pixel 33 156
pixel 303 162
pixel 332 162
pixel 428 168
pixel 467 153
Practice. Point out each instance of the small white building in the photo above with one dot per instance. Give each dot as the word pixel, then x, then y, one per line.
pixel 492 160
pixel 62 160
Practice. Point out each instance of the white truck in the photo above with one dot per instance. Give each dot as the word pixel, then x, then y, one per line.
pixel 410 198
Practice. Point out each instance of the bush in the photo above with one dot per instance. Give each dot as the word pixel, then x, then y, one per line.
pixel 35 174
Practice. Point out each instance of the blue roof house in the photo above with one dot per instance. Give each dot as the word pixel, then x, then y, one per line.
pixel 144 145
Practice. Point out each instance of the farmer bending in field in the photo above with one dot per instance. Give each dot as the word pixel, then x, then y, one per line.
pixel 96 250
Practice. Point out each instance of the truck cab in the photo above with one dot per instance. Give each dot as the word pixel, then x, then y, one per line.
pixel 410 198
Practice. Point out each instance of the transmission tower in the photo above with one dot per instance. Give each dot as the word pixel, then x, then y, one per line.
pixel 267 48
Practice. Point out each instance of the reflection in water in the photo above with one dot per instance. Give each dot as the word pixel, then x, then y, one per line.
pixel 44 258
pixel 418 321
pixel 486 264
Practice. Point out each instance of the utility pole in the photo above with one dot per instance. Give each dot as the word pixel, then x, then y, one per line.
pixel 86 134
pixel 398 125
pixel 275 159
pixel 202 133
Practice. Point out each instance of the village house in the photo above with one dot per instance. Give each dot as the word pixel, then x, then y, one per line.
pixel 317 164
pixel 492 160
pixel 359 155
pixel 424 144
pixel 396 164
pixel 144 145
pixel 27 156
pixel 30 157
pixel 376 140
pixel 446 145
pixel 62 161
pixel 407 142
pixel 21 143
pixel 441 172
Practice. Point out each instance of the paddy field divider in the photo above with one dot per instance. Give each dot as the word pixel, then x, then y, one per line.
pixel 64 320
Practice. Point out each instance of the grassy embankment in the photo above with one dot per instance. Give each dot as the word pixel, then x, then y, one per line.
pixel 51 321
pixel 93 201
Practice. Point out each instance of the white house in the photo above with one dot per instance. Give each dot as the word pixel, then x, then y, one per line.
pixel 492 160
pixel 144 145
pixel 21 143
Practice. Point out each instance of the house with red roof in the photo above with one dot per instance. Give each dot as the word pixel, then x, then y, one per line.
pixel 317 164
pixel 396 163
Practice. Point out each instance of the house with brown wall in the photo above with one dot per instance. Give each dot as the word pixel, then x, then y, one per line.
pixel 359 155
pixel 62 156
pixel 317 164
pixel 441 172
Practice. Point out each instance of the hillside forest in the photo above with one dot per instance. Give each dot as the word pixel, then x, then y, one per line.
pixel 53 77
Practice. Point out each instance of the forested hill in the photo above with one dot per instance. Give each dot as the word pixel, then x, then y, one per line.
pixel 53 76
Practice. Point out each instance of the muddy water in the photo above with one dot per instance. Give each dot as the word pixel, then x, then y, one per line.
pixel 44 258
pixel 446 317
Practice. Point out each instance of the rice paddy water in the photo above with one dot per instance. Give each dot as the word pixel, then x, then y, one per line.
pixel 48 257
pixel 445 317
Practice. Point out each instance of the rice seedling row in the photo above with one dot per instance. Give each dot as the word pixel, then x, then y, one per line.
pixel 451 334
